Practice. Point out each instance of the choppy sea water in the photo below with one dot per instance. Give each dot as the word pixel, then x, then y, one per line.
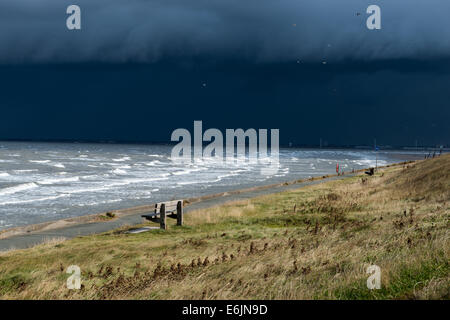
pixel 49 181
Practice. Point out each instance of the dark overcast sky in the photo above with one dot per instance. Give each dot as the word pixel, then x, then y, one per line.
pixel 140 69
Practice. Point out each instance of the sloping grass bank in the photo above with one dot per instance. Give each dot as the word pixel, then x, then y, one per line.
pixel 311 243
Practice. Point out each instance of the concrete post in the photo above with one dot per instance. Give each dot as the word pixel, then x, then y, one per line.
pixel 180 213
pixel 162 217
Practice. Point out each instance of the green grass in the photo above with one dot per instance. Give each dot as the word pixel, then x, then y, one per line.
pixel 403 282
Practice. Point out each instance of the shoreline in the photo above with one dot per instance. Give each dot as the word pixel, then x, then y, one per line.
pixel 96 223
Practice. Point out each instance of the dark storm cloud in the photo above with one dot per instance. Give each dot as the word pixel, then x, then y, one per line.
pixel 146 102
pixel 262 30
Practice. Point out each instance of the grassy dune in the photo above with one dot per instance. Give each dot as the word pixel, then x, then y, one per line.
pixel 312 243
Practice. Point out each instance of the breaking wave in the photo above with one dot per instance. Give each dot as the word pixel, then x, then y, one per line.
pixel 18 188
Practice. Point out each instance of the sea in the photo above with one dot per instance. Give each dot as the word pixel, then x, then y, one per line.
pixel 41 182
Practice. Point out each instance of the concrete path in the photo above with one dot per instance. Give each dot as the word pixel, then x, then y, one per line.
pixel 83 229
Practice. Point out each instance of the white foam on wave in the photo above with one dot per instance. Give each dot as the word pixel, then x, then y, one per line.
pixel 4 174
pixel 83 190
pixel 108 186
pixel 163 175
pixel 94 203
pixel 140 180
pixel 40 161
pixel 48 162
pixel 18 188
pixel 34 200
pixel 61 180
pixel 187 171
pixel 94 177
pixel 83 158
pixel 230 174
pixel 121 159
pixel 119 171
pixel 154 163
pixel 223 176
pixel 25 171
pixel 116 165
pixel 184 183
